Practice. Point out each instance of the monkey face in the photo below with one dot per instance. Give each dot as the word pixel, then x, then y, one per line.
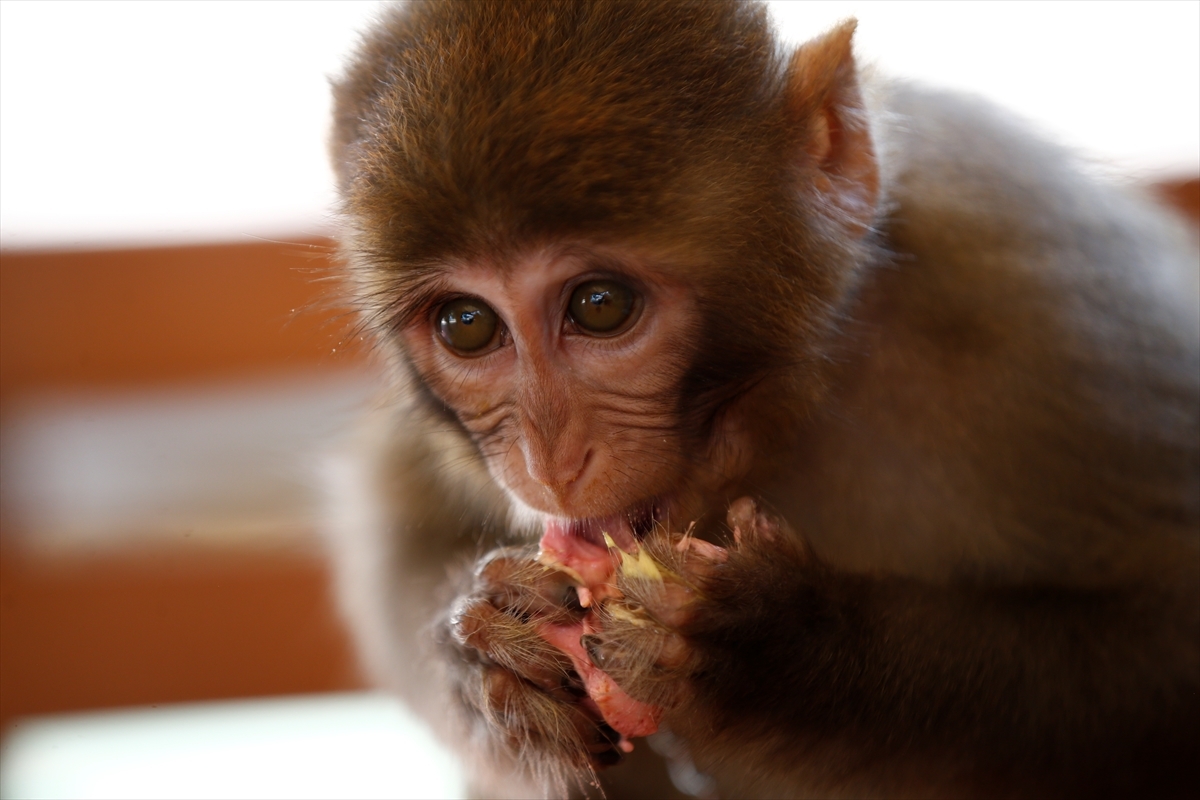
pixel 565 366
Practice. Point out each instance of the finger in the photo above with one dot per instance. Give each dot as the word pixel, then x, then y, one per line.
pixel 512 644
pixel 521 585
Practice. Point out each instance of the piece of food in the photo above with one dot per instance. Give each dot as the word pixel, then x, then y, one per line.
pixel 625 715
pixel 593 558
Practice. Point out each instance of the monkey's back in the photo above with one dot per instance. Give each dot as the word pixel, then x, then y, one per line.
pixel 1025 353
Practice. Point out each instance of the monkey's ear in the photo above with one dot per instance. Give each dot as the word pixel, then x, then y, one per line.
pixel 826 108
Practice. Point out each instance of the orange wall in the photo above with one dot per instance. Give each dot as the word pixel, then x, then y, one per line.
pixel 121 318
pixel 165 626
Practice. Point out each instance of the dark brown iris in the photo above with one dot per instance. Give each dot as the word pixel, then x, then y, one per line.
pixel 467 325
pixel 603 308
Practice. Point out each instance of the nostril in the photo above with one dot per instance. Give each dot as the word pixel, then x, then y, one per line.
pixel 560 475
pixel 583 464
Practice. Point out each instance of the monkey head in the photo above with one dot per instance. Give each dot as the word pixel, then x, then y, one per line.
pixel 612 270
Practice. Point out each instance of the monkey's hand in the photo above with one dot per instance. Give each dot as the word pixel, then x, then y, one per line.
pixel 524 691
pixel 679 597
pixel 570 653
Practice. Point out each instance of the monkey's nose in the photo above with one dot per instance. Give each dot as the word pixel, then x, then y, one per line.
pixel 557 474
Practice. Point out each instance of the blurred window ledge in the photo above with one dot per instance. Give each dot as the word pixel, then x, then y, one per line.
pixel 361 745
pixel 232 464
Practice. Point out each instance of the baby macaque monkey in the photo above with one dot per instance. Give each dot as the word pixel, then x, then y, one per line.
pixel 835 429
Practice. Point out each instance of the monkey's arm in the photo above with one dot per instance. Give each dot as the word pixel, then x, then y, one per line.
pixel 394 527
pixel 989 688
pixel 407 510
pixel 412 511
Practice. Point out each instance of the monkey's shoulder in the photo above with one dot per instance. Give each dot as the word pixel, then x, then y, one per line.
pixel 981 207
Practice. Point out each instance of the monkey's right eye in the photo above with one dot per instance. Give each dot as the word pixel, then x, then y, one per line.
pixel 467 325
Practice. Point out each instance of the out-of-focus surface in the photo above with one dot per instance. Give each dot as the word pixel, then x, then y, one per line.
pixel 227 462
pixel 163 624
pixel 192 121
pixel 164 413
pixel 175 316
pixel 360 745
pixel 1183 196
pixel 130 123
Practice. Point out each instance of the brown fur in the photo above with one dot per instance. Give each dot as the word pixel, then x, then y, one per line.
pixel 966 373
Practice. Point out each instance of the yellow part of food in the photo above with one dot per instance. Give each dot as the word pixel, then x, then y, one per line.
pixel 640 565
pixel 624 614
pixel 547 560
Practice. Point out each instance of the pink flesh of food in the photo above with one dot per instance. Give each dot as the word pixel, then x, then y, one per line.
pixel 591 561
pixel 625 715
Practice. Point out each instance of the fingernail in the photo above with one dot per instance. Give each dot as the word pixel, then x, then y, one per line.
pixel 593 645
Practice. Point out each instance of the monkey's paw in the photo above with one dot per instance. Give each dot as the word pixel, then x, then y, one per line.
pixel 522 689
pixel 676 592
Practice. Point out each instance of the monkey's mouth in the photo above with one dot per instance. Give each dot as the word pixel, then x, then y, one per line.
pixel 581 545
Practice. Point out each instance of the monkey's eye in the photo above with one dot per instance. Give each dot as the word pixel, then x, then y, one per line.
pixel 467 325
pixel 603 308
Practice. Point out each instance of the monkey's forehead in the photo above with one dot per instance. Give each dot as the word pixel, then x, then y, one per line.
pixel 549 118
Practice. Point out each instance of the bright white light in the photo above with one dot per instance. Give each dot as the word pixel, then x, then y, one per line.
pixel 168 122
pixel 360 745
pixel 1118 81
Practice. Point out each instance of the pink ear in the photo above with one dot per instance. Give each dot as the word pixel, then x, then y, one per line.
pixel 826 106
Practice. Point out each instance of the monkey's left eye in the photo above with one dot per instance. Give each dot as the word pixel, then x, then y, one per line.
pixel 603 308
pixel 468 326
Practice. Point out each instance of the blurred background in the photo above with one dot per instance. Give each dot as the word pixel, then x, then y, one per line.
pixel 175 366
